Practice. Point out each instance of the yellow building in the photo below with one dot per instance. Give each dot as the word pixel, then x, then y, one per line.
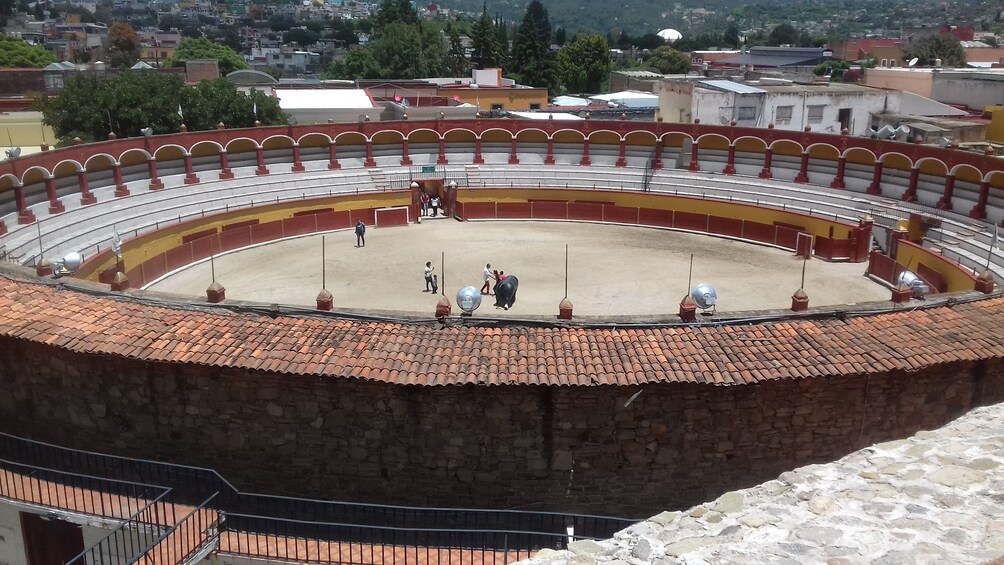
pixel 489 91
pixel 995 129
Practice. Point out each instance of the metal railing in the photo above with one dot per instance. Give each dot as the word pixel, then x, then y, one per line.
pixel 345 524
pixel 322 542
pixel 131 539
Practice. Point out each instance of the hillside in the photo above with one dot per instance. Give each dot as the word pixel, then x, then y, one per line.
pixel 818 17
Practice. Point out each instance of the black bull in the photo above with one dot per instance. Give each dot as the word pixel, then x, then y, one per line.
pixel 505 292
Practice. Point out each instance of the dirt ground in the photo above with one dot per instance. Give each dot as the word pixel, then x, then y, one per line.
pixel 612 270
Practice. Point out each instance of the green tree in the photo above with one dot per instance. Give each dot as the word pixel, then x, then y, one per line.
pixel 15 52
pixel 484 41
pixel 302 37
pixel 455 60
pixel 584 64
pixel 669 61
pixel 731 35
pixel 123 45
pixel 394 11
pixel 533 62
pixel 213 101
pixel 356 64
pixel 561 36
pixel 203 48
pixel 90 106
pixel 942 46
pixel 783 34
pixel 408 51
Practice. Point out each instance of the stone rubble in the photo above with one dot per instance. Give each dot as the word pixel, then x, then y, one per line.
pixel 937 497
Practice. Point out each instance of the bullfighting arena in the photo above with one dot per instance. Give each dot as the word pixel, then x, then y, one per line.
pixel 613 270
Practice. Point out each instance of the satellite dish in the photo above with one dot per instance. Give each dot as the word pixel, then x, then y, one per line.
pixel 913 62
pixel 704 296
pixel 147 132
pixel 68 265
pixel 13 153
pixel 468 300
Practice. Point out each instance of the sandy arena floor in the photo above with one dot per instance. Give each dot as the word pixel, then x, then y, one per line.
pixel 613 270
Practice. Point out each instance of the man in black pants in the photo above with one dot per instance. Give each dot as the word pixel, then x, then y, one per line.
pixel 360 234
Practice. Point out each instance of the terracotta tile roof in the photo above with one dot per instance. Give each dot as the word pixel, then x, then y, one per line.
pixel 424 354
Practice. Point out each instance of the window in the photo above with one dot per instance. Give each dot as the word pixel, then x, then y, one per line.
pixel 497 107
pixel 844 117
pixel 747 113
pixel 533 106
pixel 885 63
pixel 783 114
pixel 815 113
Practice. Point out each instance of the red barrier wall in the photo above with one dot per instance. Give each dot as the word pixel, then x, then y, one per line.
pixel 299 225
pixel 588 211
pixel 690 221
pixel 725 226
pixel 392 217
pixel 512 210
pixel 651 217
pixel 549 210
pixel 620 214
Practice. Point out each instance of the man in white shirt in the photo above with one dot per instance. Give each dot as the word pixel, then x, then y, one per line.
pixel 429 284
pixel 487 288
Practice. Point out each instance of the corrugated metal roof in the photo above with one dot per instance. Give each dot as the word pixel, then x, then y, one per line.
pixel 729 86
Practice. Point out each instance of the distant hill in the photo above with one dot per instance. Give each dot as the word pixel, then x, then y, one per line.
pixel 818 17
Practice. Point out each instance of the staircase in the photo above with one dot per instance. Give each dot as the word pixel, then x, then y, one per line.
pixel 473 173
pixel 379 179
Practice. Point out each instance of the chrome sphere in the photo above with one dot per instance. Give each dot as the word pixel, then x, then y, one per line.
pixel 468 299
pixel 72 262
pixel 704 296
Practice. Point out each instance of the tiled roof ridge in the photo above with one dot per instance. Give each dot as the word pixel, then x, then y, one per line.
pixel 407 353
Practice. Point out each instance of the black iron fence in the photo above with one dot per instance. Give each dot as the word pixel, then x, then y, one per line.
pixel 335 526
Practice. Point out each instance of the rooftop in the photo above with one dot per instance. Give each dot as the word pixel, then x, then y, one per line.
pixel 498 353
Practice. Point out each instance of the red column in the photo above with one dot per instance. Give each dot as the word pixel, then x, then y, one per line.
pixel 297 164
pixel 621 160
pixel 225 172
pixel 333 164
pixel 120 188
pixel 585 153
pixel 86 197
pixel 838 181
pixel 513 157
pixel 694 164
pixel 768 157
pixel 549 160
pixel 876 185
pixel 730 166
pixel 442 153
pixel 405 158
pixel 478 158
pixel 803 172
pixel 911 190
pixel 190 176
pixel 657 161
pixel 55 206
pixel 24 215
pixel 979 212
pixel 369 154
pixel 946 198
pixel 155 182
pixel 262 170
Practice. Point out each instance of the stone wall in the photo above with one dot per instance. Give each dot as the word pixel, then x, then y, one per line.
pixel 584 449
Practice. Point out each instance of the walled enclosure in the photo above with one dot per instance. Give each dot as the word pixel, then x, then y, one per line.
pixel 507 416
pixel 531 441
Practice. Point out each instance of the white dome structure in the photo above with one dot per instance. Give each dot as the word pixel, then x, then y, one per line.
pixel 670 35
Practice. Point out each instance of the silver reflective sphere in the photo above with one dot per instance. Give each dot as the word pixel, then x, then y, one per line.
pixel 909 278
pixel 468 299
pixel 704 296
pixel 72 261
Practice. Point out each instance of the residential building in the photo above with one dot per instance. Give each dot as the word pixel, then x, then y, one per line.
pixel 825 107
pixel 969 88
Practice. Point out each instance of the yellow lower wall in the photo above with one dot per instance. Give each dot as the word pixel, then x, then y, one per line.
pixel 137 250
pixel 957 279
pixel 816 226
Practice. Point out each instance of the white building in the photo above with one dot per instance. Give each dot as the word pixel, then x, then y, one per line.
pixel 824 107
